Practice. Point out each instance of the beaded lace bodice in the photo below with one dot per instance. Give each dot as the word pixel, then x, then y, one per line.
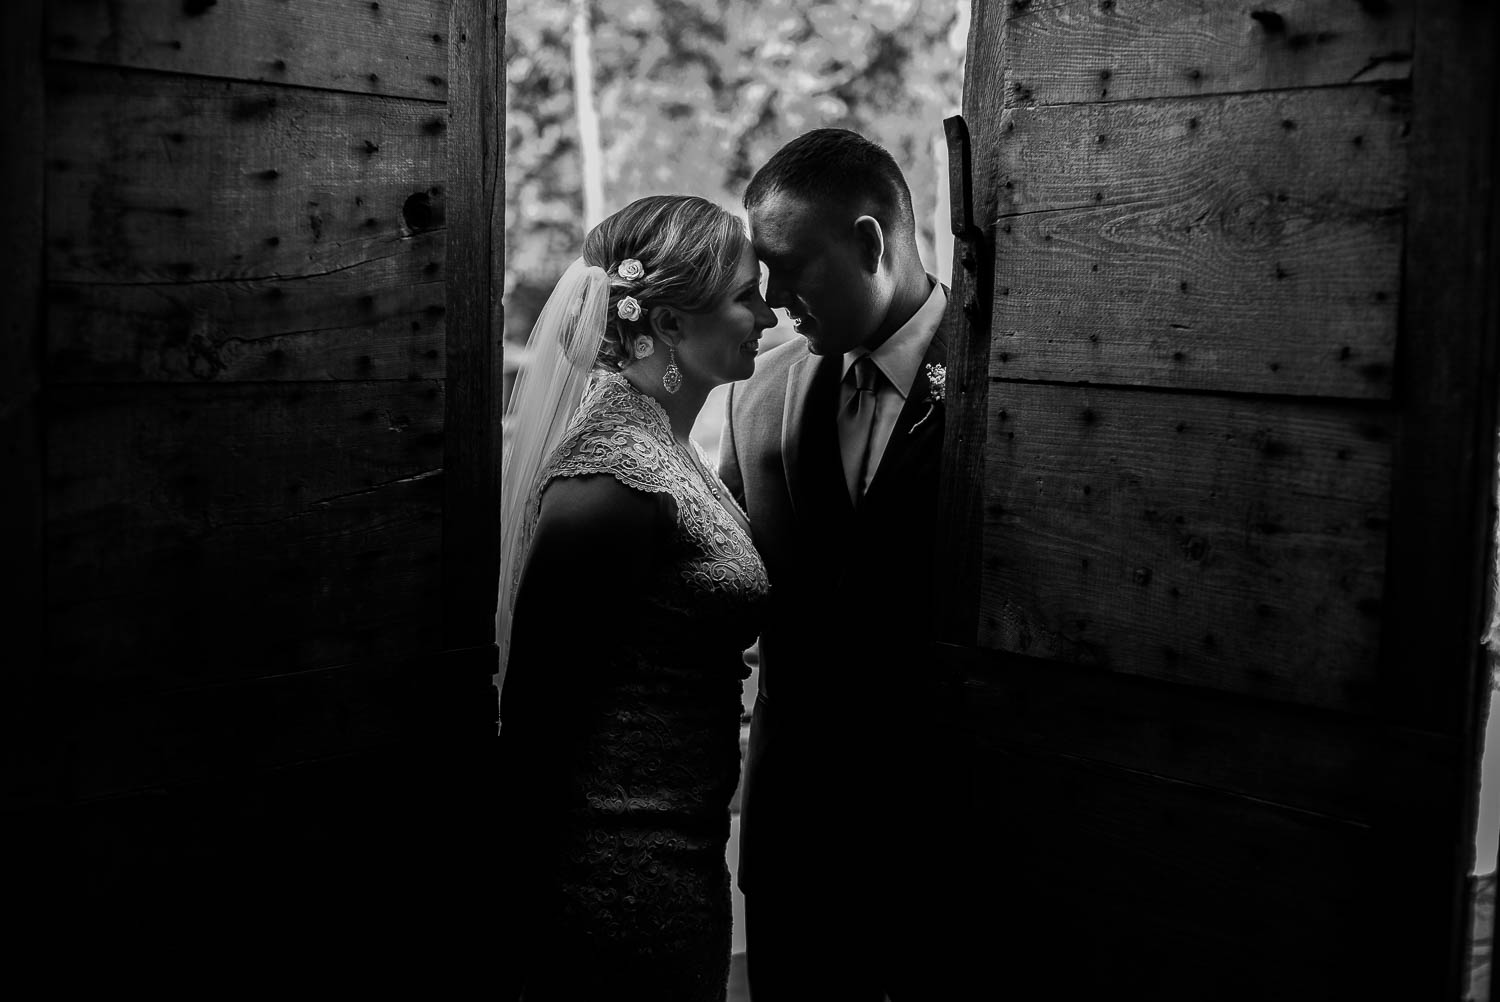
pixel 621 432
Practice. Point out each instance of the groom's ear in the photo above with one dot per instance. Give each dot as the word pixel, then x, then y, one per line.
pixel 871 240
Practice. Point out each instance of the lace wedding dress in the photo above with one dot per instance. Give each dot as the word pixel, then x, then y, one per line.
pixel 619 773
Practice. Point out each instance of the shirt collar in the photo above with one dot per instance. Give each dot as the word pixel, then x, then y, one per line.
pixel 900 356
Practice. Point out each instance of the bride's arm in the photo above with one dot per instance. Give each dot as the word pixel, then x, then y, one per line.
pixel 593 546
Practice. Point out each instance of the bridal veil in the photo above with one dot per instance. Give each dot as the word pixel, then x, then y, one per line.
pixel 555 371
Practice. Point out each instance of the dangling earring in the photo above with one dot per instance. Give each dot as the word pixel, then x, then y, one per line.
pixel 644 347
pixel 671 380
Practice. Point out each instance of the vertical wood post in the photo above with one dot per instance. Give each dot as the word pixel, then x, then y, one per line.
pixel 1446 362
pixel 21 454
pixel 476 150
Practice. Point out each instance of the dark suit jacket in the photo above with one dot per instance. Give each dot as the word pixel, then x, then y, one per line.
pixel 845 703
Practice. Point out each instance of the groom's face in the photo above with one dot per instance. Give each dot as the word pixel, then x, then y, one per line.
pixel 816 270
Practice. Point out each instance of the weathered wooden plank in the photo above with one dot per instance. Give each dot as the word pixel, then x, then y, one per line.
pixel 202 533
pixel 1088 50
pixel 119 743
pixel 29 776
pixel 1121 883
pixel 476 325
pixel 156 178
pixel 1332 764
pixel 1248 243
pixel 1235 544
pixel 21 216
pixel 395 47
pixel 267 838
pixel 956 571
pixel 382 318
pixel 1448 375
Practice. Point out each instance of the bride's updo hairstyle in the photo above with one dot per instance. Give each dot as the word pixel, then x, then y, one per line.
pixel 689 250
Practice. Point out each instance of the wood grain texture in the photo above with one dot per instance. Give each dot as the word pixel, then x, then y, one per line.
pixel 394 47
pixel 312 833
pixel 199 533
pixel 1232 544
pixel 120 743
pixel 1192 893
pixel 1169 802
pixel 181 179
pixel 1330 764
pixel 381 318
pixel 21 529
pixel 1114 50
pixel 956 573
pixel 476 326
pixel 1247 243
pixel 1448 365
pixel 1447 371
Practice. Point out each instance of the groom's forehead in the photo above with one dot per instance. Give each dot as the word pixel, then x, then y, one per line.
pixel 783 221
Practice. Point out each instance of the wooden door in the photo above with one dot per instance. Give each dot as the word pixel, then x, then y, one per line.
pixel 1218 455
pixel 257 375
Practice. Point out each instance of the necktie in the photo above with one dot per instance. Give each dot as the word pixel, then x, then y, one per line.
pixel 856 423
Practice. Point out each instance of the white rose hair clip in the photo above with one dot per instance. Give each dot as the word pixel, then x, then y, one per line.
pixel 630 308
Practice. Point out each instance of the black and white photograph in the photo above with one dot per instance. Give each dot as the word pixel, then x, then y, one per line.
pixel 754 501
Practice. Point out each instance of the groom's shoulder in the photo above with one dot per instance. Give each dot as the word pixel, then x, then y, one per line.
pixel 771 368
pixel 757 402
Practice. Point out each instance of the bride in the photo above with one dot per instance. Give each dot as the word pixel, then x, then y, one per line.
pixel 629 590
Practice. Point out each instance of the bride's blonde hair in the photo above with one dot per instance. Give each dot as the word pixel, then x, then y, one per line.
pixel 690 251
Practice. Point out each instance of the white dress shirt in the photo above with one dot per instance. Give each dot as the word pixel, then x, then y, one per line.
pixel 898 360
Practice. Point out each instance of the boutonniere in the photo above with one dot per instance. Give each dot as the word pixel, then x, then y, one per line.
pixel 937 383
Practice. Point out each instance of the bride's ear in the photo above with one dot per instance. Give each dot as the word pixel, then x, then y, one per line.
pixel 666 325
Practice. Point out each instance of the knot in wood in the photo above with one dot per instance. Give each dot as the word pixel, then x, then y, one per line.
pixel 1251 219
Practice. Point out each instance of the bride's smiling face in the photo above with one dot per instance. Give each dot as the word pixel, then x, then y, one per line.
pixel 718 345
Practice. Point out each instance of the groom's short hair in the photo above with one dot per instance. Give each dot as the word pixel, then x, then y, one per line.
pixel 836 165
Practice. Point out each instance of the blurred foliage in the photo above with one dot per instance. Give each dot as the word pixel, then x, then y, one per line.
pixel 693 95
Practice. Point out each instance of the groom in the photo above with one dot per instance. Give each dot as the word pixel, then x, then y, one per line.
pixel 833 448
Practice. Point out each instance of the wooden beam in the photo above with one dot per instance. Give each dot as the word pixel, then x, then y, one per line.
pixel 1448 379
pixel 1247 243
pixel 21 506
pixel 204 533
pixel 471 465
pixel 972 144
pixel 382 316
pixel 140 738
pixel 397 48
pixel 1252 561
pixel 1336 765
pixel 1187 886
pixel 1082 51
pixel 33 776
pixel 169 179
